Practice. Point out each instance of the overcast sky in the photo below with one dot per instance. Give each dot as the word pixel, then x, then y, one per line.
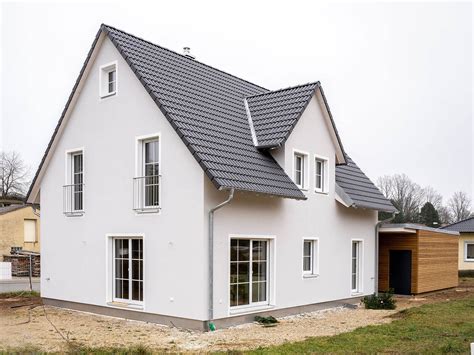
pixel 398 77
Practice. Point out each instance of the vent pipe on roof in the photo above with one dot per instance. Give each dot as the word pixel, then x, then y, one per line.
pixel 187 53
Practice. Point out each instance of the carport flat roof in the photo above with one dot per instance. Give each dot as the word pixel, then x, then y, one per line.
pixel 410 228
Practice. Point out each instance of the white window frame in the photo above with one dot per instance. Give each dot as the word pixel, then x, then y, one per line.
pixel 139 169
pixel 466 243
pixel 110 272
pixel 69 178
pixel 35 223
pixel 104 71
pixel 325 176
pixel 271 279
pixel 306 167
pixel 360 267
pixel 314 261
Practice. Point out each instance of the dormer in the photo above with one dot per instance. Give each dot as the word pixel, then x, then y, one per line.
pixel 296 127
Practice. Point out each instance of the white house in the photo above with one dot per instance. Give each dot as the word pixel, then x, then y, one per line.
pixel 176 193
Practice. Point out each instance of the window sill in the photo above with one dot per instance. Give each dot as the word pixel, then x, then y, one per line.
pixel 250 309
pixel 108 95
pixel 320 192
pixel 148 210
pixel 469 260
pixel 310 276
pixel 74 214
pixel 131 306
pixel 358 293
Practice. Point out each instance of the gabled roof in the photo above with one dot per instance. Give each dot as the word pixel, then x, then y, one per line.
pixel 358 187
pixel 205 107
pixel 275 113
pixel 208 109
pixel 464 226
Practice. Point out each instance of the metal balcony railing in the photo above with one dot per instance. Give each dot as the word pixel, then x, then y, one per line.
pixel 73 200
pixel 146 193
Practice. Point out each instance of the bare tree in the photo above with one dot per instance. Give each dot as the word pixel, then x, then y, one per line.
pixel 445 215
pixel 460 206
pixel 434 197
pixel 407 196
pixel 13 175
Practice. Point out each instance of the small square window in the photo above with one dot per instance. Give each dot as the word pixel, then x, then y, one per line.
pixel 108 80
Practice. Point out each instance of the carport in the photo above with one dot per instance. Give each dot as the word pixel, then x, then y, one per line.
pixel 415 259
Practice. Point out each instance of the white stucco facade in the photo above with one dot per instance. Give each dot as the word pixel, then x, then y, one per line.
pixel 75 258
pixel 286 223
pixel 76 251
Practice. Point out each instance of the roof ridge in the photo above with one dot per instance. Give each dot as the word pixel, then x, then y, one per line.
pixel 103 25
pixel 318 83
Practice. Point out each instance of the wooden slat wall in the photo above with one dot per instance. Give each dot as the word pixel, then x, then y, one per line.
pixel 438 261
pixel 389 241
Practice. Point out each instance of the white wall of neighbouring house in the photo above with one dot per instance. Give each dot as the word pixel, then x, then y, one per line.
pixel 288 222
pixel 76 261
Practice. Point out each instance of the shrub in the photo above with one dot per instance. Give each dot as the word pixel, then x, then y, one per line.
pixel 266 320
pixel 380 301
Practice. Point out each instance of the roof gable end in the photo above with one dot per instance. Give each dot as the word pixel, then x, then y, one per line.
pixel 273 115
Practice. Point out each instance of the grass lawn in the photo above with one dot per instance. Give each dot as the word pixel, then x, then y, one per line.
pixel 446 327
pixel 25 294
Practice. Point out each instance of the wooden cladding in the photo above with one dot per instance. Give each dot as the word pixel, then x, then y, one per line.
pixel 434 259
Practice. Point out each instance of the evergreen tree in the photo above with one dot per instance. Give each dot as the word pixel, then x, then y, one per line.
pixel 429 216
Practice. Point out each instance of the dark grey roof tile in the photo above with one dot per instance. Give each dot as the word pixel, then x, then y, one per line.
pixel 205 106
pixel 274 114
pixel 464 226
pixel 360 189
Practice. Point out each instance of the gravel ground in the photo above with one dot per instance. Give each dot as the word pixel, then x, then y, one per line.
pixel 51 329
pixel 25 327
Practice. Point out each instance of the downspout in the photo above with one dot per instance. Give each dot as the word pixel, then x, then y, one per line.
pixel 211 258
pixel 377 227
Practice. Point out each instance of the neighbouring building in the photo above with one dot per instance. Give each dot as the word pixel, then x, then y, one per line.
pixel 19 228
pixel 466 244
pixel 176 193
pixel 415 259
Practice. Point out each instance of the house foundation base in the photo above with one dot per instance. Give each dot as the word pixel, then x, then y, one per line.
pixel 195 324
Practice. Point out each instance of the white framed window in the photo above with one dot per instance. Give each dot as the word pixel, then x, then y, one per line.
pixel 73 191
pixel 310 257
pixel 147 185
pixel 249 272
pixel 469 250
pixel 300 169
pixel 29 227
pixel 108 80
pixel 127 266
pixel 356 266
pixel 321 174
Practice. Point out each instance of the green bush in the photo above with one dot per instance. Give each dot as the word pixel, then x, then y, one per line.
pixel 380 301
pixel 266 320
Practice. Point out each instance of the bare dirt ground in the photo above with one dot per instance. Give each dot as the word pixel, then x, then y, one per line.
pixel 27 324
